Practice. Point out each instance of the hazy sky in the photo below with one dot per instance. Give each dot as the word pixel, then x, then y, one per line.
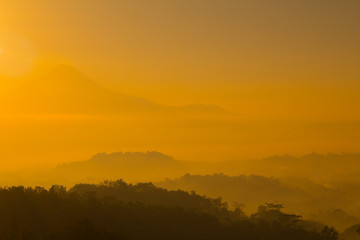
pixel 292 60
pixel 247 55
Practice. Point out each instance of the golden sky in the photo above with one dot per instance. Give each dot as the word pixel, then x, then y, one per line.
pixel 276 61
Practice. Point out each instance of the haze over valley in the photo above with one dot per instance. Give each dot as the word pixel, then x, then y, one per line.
pixel 179 119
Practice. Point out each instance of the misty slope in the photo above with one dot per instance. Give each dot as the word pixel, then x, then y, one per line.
pixel 332 206
pixel 321 187
pixel 65 90
pixel 331 170
pixel 328 169
pixel 351 233
pixel 251 190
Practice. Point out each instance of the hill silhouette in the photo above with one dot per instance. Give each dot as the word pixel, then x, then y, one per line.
pixel 116 210
pixel 327 169
pixel 329 205
pixel 351 233
pixel 330 170
pixel 132 166
pixel 300 183
pixel 66 90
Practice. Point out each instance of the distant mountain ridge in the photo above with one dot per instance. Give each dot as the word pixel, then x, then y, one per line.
pixel 134 166
pixel 65 90
pixel 315 167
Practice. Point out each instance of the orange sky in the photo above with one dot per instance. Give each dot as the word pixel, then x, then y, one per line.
pixel 283 61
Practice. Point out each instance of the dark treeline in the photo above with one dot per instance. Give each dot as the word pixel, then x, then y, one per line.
pixel 333 205
pixel 116 210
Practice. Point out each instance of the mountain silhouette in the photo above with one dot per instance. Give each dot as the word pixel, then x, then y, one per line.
pixel 65 90
pixel 128 165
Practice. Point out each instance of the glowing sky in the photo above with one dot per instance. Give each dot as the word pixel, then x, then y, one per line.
pixel 289 60
pixel 230 52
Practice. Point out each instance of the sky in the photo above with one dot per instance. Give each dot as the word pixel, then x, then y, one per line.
pixel 271 60
pixel 238 53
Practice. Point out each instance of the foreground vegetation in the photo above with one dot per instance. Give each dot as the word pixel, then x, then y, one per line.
pixel 117 210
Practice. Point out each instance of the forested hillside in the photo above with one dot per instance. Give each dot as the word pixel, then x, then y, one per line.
pixel 117 210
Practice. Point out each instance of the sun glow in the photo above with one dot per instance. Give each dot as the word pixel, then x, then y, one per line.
pixel 17 60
